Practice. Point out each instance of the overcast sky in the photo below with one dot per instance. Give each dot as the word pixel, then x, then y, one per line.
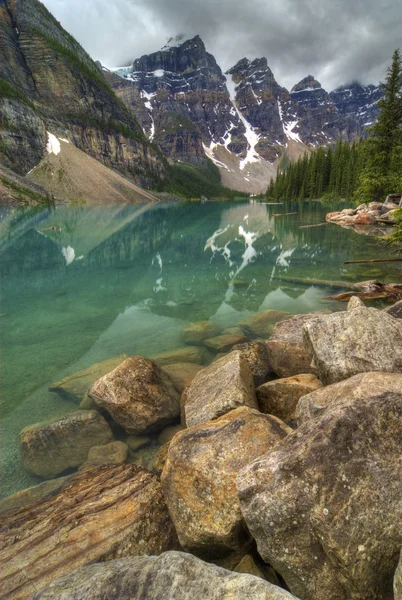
pixel 337 41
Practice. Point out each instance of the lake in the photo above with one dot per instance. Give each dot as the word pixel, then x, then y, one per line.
pixel 82 284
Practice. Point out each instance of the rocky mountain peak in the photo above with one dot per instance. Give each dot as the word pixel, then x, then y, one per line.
pixel 307 84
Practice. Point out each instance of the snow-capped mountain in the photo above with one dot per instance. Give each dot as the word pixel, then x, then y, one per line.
pixel 244 121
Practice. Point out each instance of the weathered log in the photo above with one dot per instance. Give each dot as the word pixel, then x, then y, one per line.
pixel 315 225
pixel 371 290
pixel 285 214
pixel 372 260
pixel 101 514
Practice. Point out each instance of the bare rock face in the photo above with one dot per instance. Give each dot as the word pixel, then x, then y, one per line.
pixel 256 354
pixel 171 576
pixel 76 386
pixel 138 395
pixel 53 446
pixel 288 352
pixel 280 397
pixel 199 476
pixel 102 514
pixel 359 386
pixel 346 343
pixel 262 323
pixel 218 389
pixel 398 580
pixel 196 333
pixel 325 505
pixel 182 374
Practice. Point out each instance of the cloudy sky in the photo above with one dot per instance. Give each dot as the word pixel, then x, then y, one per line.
pixel 337 41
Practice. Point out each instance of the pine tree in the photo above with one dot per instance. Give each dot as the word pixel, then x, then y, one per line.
pixel 382 172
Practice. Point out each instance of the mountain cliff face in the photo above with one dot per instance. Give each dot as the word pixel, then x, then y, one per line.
pixel 49 83
pixel 245 122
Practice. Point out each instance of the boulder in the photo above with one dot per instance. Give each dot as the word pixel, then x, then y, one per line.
pixel 223 343
pixel 171 576
pixel 189 354
pixel 395 310
pixel 233 331
pixel 135 442
pixel 103 513
pixel 218 389
pixel 325 505
pixel 159 460
pixel 262 323
pixel 51 447
pixel 359 386
pixel 288 352
pixel 349 212
pixel 114 453
pixel 196 333
pixel 138 395
pixel 74 387
pixel 168 433
pixel 33 495
pixel 256 354
pixel 355 302
pixel 365 219
pixel 346 343
pixel 333 216
pixel 280 397
pixel 182 374
pixel 199 476
pixel 398 580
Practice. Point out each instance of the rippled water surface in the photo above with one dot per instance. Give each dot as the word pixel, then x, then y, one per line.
pixel 80 285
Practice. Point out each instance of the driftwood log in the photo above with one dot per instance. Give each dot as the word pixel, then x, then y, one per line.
pixel 101 514
pixel 371 290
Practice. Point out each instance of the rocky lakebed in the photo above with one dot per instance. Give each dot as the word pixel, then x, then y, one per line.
pixel 274 472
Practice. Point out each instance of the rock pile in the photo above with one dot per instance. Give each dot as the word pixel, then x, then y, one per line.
pixel 286 468
pixel 374 213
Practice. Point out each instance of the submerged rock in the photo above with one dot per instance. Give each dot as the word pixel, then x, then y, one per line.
pixel 53 446
pixel 114 453
pixel 199 476
pixel 359 386
pixel 287 350
pixel 325 505
pixel 262 323
pixel 196 333
pixel 32 495
pixel 138 395
pixel 223 343
pixel 280 397
pixel 76 386
pixel 189 354
pixel 256 354
pixel 171 576
pixel 104 513
pixel 182 374
pixel 218 389
pixel 350 342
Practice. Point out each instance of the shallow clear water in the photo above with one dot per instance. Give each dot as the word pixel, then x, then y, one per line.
pixel 110 280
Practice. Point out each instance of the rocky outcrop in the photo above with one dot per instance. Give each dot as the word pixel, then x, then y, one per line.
pixel 314 404
pixel 280 397
pixel 218 389
pixel 199 475
pixel 350 342
pixel 51 447
pixel 138 395
pixel 288 352
pixel 324 506
pixel 374 213
pixel 103 514
pixel 146 578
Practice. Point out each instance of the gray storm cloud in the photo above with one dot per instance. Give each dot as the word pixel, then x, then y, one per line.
pixel 337 41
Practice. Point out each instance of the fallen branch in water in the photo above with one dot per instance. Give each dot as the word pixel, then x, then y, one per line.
pixel 284 214
pixel 372 260
pixel 315 225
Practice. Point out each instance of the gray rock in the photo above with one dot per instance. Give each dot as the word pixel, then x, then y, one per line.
pixel 398 580
pixel 359 386
pixel 171 576
pixel 256 354
pixel 355 302
pixel 287 350
pixel 395 310
pixel 280 397
pixel 53 446
pixel 199 477
pixel 138 395
pixel 218 389
pixel 325 505
pixel 346 343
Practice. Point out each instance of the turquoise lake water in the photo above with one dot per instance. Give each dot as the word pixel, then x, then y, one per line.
pixel 82 284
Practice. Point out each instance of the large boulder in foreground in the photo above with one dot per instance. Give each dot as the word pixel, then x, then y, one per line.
pixel 395 310
pixel 138 395
pixel 171 576
pixel 199 477
pixel 51 447
pixel 287 350
pixel 280 397
pixel 359 386
pixel 102 514
pixel 218 389
pixel 325 505
pixel 350 342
